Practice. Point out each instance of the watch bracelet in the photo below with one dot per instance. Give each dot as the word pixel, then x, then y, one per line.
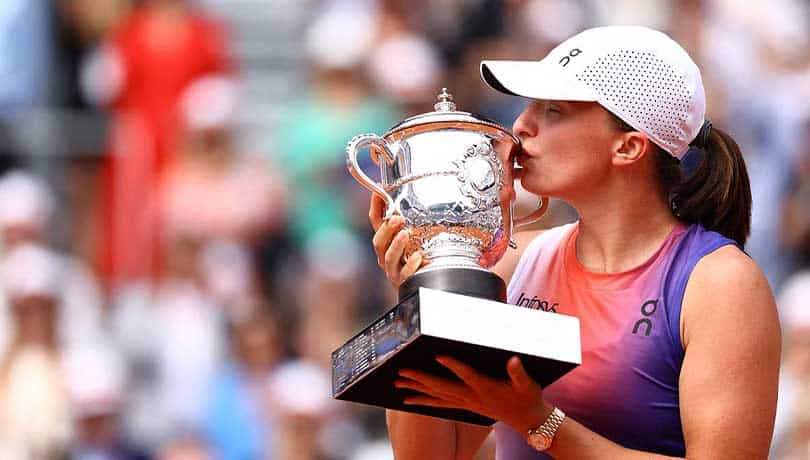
pixel 551 425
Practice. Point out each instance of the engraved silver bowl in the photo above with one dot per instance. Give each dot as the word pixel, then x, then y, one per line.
pixel 450 175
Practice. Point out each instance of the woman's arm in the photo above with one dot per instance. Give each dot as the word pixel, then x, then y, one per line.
pixel 730 330
pixel 728 382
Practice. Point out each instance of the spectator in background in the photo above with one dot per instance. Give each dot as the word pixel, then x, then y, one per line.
pixel 175 341
pixel 240 425
pixel 338 105
pixel 140 73
pixel 34 407
pixel 407 68
pixel 329 286
pixel 217 206
pixel 796 223
pixel 211 187
pixel 229 277
pixel 26 213
pixel 96 384
pixel 299 394
pixel 231 200
pixel 792 429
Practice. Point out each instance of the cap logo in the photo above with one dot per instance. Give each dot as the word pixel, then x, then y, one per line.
pixel 573 53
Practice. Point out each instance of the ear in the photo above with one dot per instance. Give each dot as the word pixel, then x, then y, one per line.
pixel 630 147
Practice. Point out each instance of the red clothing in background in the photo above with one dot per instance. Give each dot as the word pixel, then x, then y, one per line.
pixel 158 51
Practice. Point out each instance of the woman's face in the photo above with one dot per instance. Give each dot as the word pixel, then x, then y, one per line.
pixel 566 147
pixel 35 319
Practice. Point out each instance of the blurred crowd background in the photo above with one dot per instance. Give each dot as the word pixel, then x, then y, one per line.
pixel 181 246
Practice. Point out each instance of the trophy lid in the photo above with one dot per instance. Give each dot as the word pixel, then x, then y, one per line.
pixel 446 115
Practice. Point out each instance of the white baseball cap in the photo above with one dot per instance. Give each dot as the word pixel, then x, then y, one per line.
pixel 95 377
pixel 31 270
pixel 25 199
pixel 639 74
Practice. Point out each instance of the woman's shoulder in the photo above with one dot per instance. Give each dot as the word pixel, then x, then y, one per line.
pixel 726 287
pixel 728 266
pixel 695 245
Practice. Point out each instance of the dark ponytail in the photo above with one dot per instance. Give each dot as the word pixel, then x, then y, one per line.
pixel 716 194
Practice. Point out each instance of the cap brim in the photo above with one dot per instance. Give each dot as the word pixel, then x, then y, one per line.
pixel 535 80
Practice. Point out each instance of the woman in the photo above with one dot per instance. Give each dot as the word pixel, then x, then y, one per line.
pixel 680 336
pixel 34 406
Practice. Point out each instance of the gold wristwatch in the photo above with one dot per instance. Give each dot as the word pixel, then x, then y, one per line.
pixel 540 438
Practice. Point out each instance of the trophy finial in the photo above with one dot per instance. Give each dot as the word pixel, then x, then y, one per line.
pixel 445 103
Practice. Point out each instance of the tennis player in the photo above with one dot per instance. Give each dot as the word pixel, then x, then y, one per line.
pixel 680 336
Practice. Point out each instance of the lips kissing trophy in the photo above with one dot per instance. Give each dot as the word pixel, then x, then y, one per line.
pixel 449 174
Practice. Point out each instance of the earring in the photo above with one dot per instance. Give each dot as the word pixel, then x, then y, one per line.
pixel 674 204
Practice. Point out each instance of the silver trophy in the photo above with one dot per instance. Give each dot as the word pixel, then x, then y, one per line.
pixel 449 174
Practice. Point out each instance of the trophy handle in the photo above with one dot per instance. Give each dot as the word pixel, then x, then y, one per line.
pixel 382 150
pixel 535 215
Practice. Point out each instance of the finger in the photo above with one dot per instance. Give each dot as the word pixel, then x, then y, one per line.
pixel 393 256
pixel 432 402
pixel 466 373
pixel 387 230
pixel 436 384
pixel 403 383
pixel 376 211
pixel 413 264
pixel 520 378
pixel 409 384
pixel 384 235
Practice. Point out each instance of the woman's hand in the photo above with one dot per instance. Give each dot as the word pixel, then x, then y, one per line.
pixel 517 401
pixel 389 242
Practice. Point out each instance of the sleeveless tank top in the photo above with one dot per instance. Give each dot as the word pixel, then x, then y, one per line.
pixel 626 388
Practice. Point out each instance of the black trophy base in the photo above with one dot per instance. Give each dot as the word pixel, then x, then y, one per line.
pixel 465 281
pixel 482 333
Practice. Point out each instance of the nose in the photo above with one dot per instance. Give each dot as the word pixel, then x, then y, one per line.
pixel 524 126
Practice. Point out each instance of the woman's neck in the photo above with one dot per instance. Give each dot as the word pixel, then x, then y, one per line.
pixel 616 236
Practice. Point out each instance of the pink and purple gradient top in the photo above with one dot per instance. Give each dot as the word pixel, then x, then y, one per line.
pixel 627 386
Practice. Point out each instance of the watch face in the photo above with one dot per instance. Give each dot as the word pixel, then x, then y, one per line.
pixel 539 442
